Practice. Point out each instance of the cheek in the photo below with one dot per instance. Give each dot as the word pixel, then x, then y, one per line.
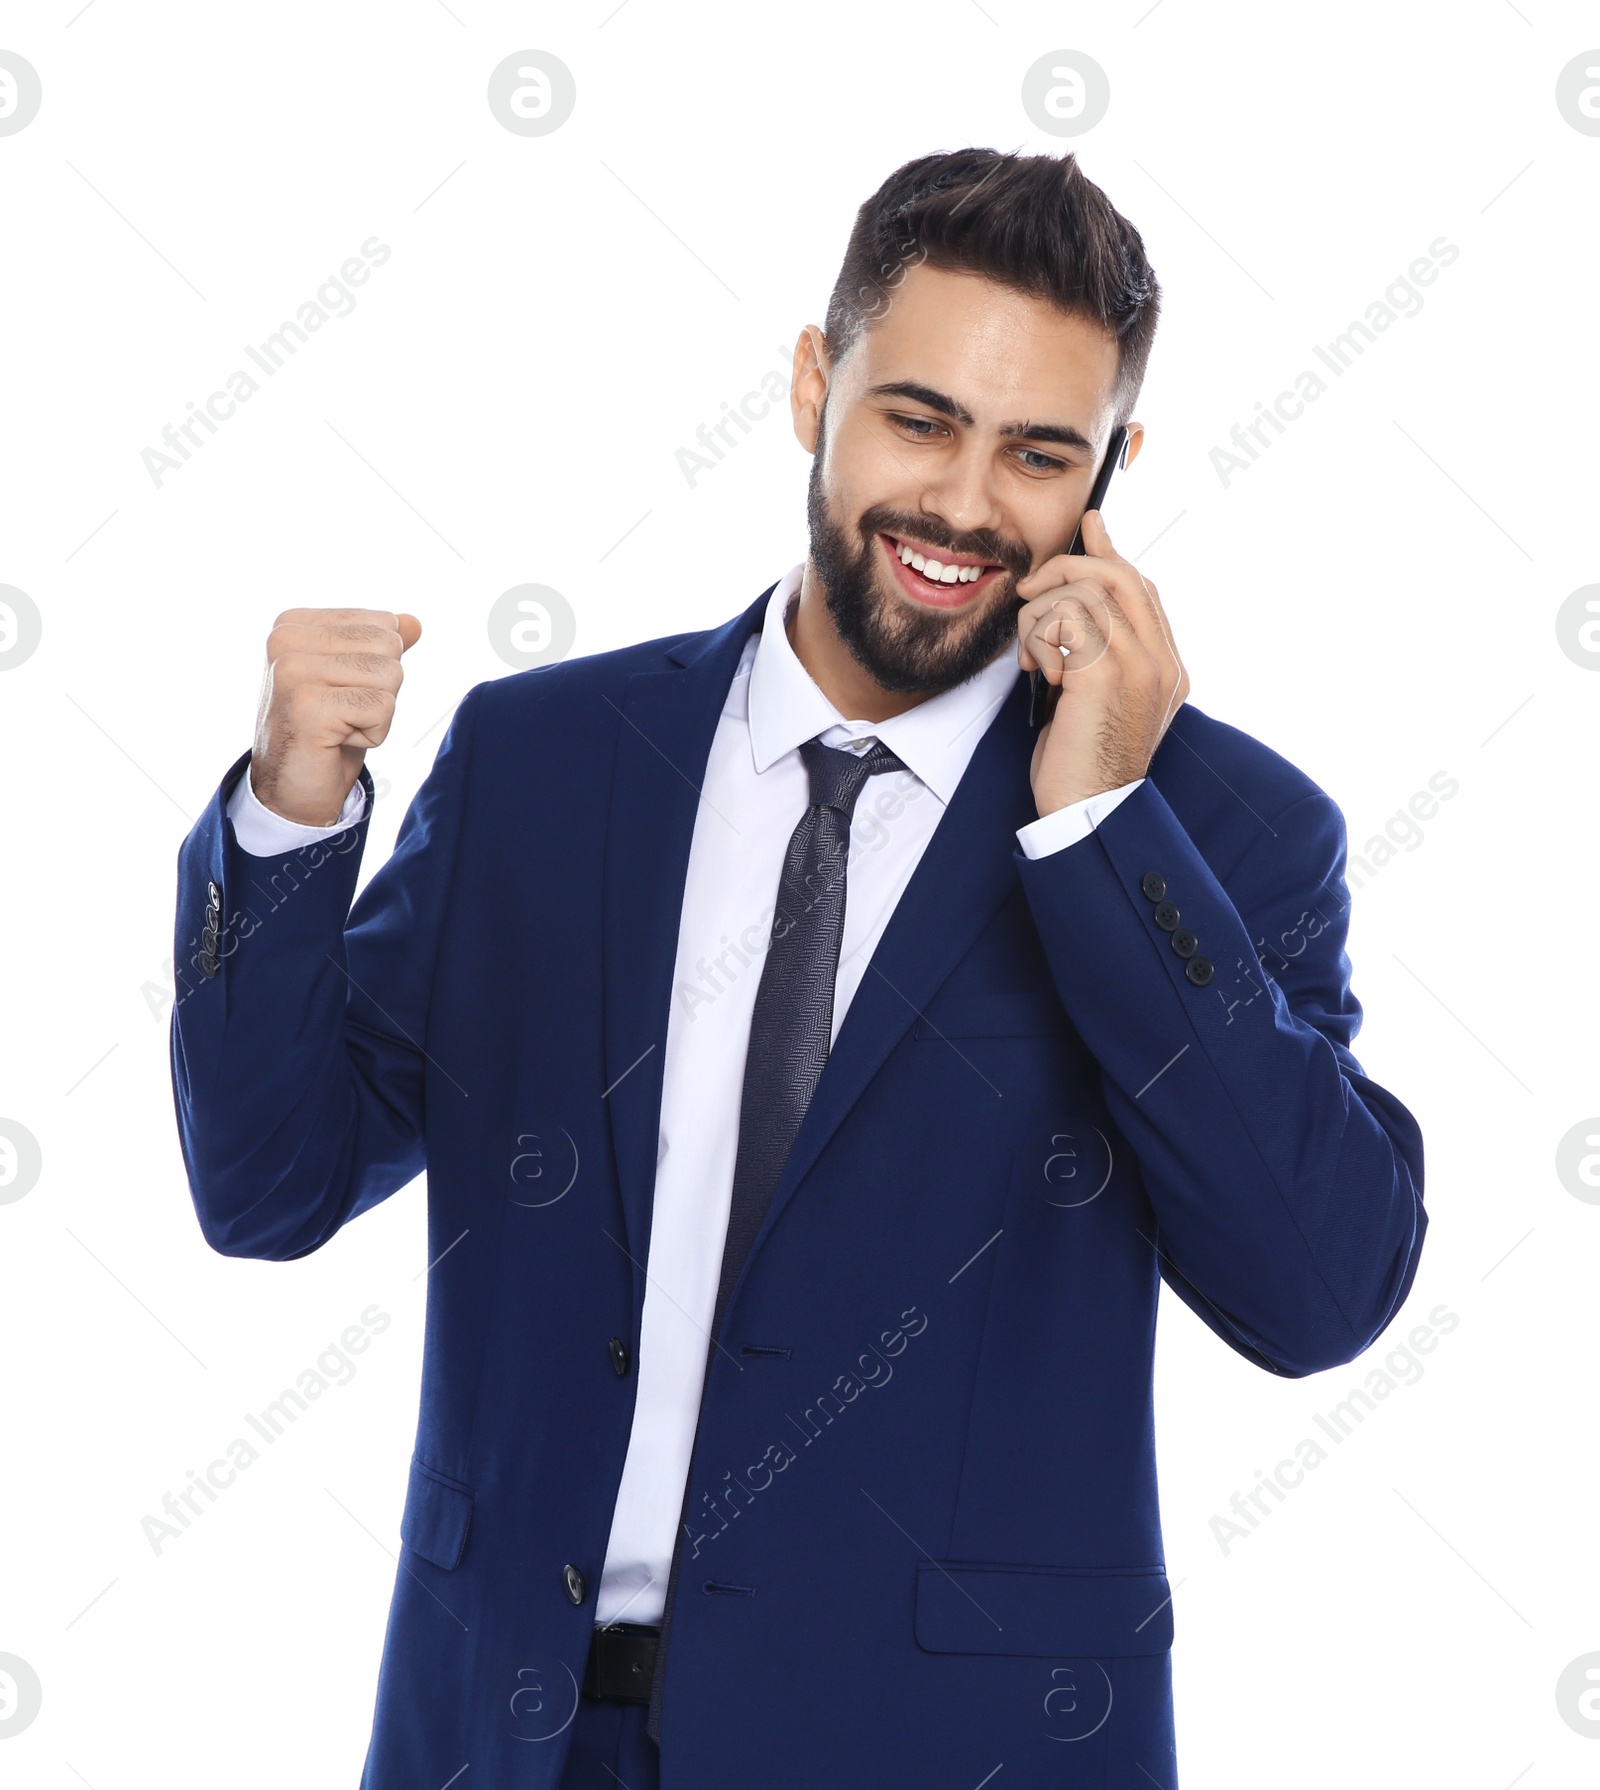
pixel 1050 523
pixel 863 465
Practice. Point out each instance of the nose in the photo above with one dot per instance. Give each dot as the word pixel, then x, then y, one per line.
pixel 961 493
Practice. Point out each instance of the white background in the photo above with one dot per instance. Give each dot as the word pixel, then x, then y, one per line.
pixel 1374 598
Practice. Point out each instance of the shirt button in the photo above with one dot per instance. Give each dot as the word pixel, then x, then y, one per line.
pixel 573 1580
pixel 1154 887
pixel 619 1355
pixel 1199 970
pixel 1166 916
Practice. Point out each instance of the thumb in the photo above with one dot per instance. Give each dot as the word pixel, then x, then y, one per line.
pixel 410 631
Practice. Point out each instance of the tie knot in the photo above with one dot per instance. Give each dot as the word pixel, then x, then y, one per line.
pixel 837 777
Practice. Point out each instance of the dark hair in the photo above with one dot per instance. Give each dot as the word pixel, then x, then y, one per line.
pixel 1035 223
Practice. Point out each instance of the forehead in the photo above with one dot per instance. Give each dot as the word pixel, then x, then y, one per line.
pixel 1001 353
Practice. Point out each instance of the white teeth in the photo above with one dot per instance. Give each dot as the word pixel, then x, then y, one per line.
pixel 935 571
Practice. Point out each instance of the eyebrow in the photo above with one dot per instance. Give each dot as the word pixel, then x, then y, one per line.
pixel 1063 434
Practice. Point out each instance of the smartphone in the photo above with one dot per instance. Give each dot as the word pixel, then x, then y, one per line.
pixel 1045 695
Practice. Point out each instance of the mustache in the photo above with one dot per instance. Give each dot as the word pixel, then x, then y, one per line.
pixel 981 543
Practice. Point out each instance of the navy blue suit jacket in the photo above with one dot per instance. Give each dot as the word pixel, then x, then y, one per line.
pixel 924 1536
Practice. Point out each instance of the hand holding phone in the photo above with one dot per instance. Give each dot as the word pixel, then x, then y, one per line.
pixel 1045 695
pixel 1094 624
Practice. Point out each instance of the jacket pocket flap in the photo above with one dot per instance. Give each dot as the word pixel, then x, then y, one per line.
pixel 1026 1013
pixel 1060 1612
pixel 437 1515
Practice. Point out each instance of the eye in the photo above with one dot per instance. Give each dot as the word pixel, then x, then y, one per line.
pixel 919 428
pixel 1034 461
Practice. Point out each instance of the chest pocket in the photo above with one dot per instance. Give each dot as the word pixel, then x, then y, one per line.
pixel 1026 1013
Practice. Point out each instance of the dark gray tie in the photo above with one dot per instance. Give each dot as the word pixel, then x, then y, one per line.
pixel 790 1032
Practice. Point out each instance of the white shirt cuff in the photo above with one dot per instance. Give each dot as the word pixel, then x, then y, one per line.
pixel 263 834
pixel 1066 826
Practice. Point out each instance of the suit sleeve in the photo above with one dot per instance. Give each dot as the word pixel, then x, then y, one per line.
pixel 1286 1187
pixel 299 1029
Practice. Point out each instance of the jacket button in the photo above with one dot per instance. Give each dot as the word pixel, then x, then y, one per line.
pixel 1166 916
pixel 1154 887
pixel 1199 970
pixel 619 1355
pixel 573 1580
pixel 1185 942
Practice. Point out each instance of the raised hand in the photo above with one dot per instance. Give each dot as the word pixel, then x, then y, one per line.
pixel 1120 675
pixel 328 694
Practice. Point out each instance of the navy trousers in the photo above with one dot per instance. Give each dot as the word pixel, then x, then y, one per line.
pixel 610 1748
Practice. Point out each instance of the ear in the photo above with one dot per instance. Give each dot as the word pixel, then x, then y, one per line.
pixel 808 386
pixel 1135 442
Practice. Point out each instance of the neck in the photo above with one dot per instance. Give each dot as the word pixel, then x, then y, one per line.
pixel 833 668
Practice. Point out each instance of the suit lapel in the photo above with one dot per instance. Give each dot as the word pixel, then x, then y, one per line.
pixel 667 723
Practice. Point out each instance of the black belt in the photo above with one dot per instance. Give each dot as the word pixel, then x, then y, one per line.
pixel 622 1662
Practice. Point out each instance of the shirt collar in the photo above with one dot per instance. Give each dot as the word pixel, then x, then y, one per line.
pixel 934 740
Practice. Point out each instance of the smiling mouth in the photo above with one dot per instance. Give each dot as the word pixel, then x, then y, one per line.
pixel 932 575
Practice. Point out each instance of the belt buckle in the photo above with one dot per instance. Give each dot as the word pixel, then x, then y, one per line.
pixel 621 1664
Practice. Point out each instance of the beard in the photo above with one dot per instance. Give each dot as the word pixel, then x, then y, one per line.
pixel 915 652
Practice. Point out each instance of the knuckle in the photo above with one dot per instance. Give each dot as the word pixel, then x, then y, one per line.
pixel 365 698
pixel 366 665
pixel 298 702
pixel 297 669
pixel 371 634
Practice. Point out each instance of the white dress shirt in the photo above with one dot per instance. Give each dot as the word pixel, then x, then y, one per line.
pixel 754 794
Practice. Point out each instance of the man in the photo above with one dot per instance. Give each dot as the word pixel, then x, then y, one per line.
pixel 817 1066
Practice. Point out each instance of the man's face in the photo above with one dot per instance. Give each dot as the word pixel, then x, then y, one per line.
pixel 963 429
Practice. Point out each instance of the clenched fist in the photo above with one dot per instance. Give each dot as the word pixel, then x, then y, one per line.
pixel 328 694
